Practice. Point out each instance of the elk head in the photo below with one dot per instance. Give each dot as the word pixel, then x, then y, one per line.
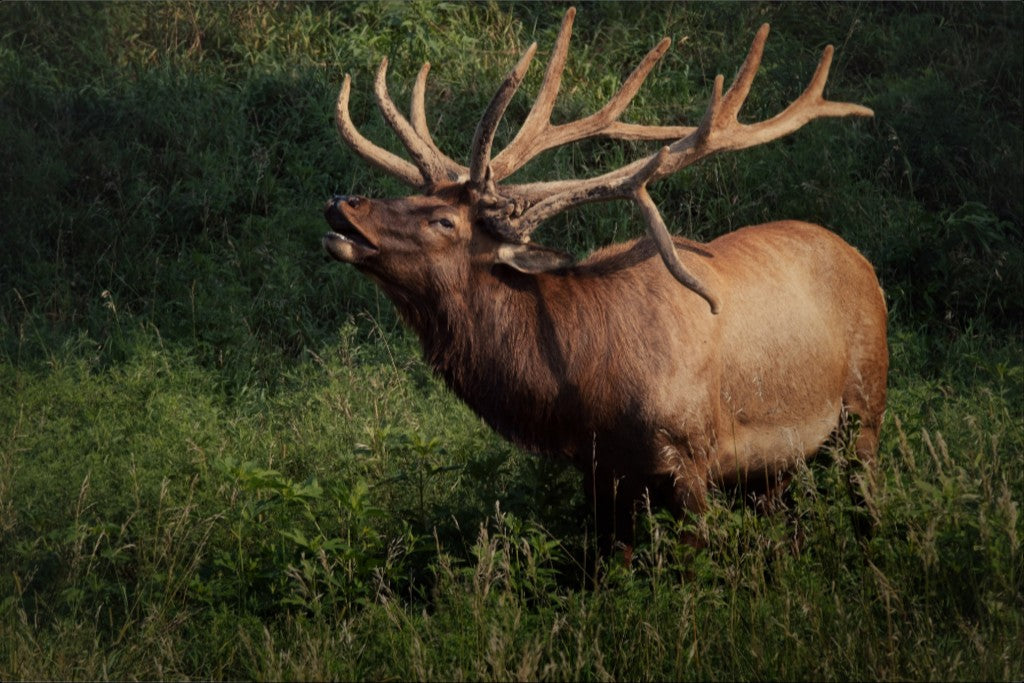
pixel 421 242
pixel 466 215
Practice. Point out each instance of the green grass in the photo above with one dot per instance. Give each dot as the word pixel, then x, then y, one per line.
pixel 221 456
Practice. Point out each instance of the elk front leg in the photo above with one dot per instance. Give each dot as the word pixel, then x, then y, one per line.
pixel 685 468
pixel 690 491
pixel 613 504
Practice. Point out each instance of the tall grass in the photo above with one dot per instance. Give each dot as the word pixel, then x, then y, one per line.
pixel 220 454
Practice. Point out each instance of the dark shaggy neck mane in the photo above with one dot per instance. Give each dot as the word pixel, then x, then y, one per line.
pixel 522 350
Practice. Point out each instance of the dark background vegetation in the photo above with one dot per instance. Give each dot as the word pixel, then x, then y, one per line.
pixel 220 454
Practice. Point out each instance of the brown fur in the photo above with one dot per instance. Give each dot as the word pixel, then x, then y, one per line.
pixel 615 366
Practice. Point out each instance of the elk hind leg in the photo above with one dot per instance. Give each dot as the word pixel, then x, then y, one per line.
pixel 860 425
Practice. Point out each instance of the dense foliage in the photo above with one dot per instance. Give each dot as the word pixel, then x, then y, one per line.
pixel 220 453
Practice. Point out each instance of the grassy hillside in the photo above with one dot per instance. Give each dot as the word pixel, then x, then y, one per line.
pixel 222 457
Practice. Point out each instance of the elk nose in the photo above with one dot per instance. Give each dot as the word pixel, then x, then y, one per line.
pixel 351 199
pixel 334 204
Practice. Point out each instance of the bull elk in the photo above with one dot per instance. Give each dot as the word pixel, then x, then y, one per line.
pixel 648 387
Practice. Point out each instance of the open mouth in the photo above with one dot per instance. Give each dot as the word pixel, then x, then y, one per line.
pixel 343 229
pixel 345 242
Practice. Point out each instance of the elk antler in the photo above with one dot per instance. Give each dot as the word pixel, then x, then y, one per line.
pixel 720 130
pixel 512 212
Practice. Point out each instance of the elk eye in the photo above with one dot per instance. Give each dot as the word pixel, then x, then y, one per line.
pixel 445 223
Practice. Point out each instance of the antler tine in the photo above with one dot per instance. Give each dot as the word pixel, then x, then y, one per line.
pixel 659 232
pixel 434 165
pixel 605 119
pixel 538 118
pixel 377 156
pixel 740 87
pixel 483 138
pixel 417 108
pixel 815 91
pixel 663 240
pixel 418 116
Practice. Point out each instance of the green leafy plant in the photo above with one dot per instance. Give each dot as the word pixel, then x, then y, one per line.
pixel 292 544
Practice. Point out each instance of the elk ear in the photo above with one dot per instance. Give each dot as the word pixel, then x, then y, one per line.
pixel 532 258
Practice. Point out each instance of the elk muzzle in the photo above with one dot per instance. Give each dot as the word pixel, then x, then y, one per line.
pixel 346 242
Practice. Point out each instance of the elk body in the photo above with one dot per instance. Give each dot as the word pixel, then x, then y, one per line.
pixel 659 367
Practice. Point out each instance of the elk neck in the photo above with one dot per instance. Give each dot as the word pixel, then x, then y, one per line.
pixel 524 350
